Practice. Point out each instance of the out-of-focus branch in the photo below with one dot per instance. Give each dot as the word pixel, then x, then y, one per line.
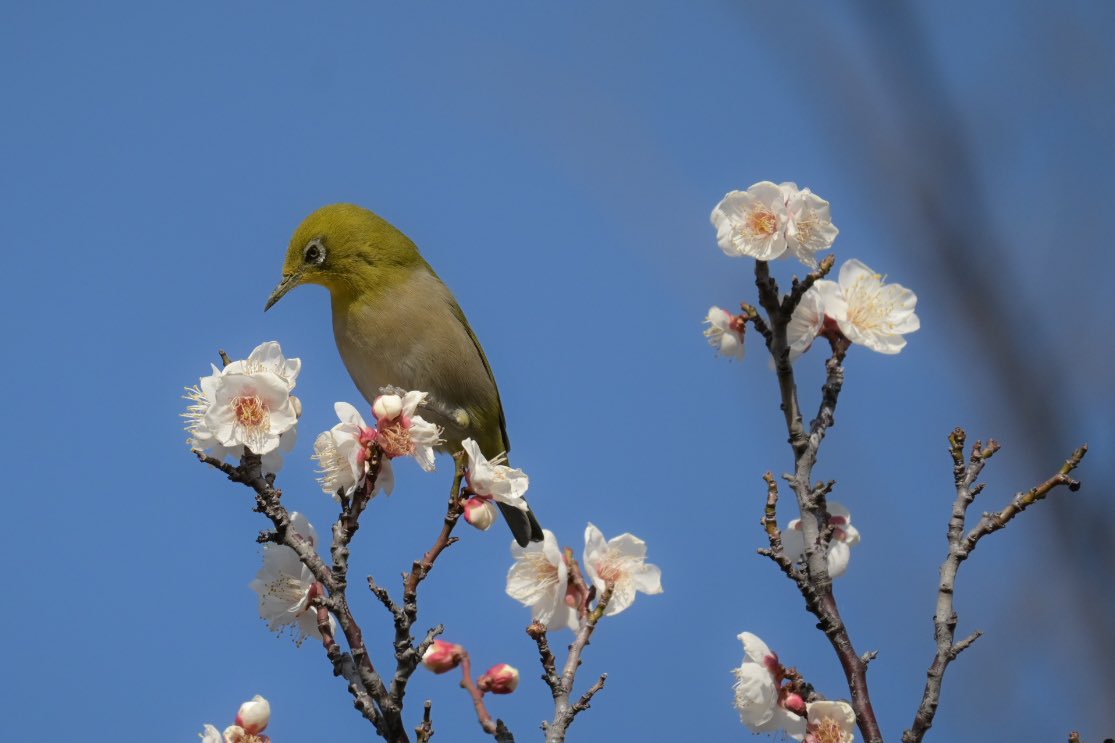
pixel 494 728
pixel 965 474
pixel 813 580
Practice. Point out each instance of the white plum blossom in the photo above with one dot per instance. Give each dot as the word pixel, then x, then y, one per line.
pixel 829 722
pixel 211 735
pixel 286 586
pixel 752 222
pixel 810 316
pixel 809 227
pixel 493 479
pixel 872 313
pixel 247 404
pixel 769 221
pixel 539 579
pixel 844 537
pixel 759 696
pixel 620 561
pixel 400 432
pixel 342 454
pixel 725 332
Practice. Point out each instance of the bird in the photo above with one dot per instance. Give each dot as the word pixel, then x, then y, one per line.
pixel 397 325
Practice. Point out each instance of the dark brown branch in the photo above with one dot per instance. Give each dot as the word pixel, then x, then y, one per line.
pixel 960 547
pixel 813 580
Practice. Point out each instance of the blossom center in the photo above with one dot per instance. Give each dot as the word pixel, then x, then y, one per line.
pixel 866 309
pixel 543 571
pixel 827 730
pixel 394 438
pixel 251 412
pixel 761 221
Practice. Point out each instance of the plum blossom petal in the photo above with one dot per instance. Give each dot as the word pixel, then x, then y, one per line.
pixel 620 561
pixel 758 690
pixel 752 222
pixel 539 579
pixel 493 479
pixel 723 333
pixel 809 227
pixel 285 586
pixel 874 314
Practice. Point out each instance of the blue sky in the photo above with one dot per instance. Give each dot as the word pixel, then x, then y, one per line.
pixel 557 167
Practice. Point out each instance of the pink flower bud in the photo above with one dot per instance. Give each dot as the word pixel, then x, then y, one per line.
pixel 480 512
pixel 500 679
pixel 387 407
pixel 254 715
pixel 442 656
pixel 794 703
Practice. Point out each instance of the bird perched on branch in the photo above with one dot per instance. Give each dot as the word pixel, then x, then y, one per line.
pixel 397 325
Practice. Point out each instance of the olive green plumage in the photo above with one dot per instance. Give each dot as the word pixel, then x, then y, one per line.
pixel 397 324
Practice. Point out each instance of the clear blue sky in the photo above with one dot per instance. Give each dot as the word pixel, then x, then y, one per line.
pixel 557 166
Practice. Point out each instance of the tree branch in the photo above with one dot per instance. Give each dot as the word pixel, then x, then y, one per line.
pixel 960 547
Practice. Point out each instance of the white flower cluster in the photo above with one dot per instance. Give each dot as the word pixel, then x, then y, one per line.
pixel 246 406
pixel 539 578
pixel 343 451
pixel 767 705
pixel 769 221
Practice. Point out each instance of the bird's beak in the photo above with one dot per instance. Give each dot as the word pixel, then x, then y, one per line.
pixel 289 281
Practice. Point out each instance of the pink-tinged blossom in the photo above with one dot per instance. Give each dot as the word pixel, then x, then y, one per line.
pixel 480 513
pixel 760 697
pixel 725 332
pixel 254 715
pixel 342 454
pixel 621 561
pixel 844 537
pixel 400 431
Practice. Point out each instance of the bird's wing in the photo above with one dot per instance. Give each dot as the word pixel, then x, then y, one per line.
pixel 488 368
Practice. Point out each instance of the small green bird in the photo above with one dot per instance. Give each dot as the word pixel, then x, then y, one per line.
pixel 397 324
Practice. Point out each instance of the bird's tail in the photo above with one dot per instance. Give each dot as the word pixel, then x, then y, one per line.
pixel 524 526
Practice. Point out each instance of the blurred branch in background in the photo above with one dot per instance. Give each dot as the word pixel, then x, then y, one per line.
pixel 915 149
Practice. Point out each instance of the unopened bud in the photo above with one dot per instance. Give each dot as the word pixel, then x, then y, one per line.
pixel 480 512
pixel 254 715
pixel 297 405
pixel 794 703
pixel 387 407
pixel 500 679
pixel 442 656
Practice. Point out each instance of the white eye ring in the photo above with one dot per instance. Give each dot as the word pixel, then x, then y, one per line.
pixel 314 252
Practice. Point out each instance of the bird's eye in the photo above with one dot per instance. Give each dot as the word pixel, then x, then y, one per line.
pixel 314 253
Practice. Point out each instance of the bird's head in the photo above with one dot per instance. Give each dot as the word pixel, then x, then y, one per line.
pixel 345 248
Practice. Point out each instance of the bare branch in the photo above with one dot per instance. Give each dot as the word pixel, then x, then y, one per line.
pixel 960 547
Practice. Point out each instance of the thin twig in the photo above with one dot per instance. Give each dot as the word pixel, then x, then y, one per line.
pixel 960 547
pixel 495 728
